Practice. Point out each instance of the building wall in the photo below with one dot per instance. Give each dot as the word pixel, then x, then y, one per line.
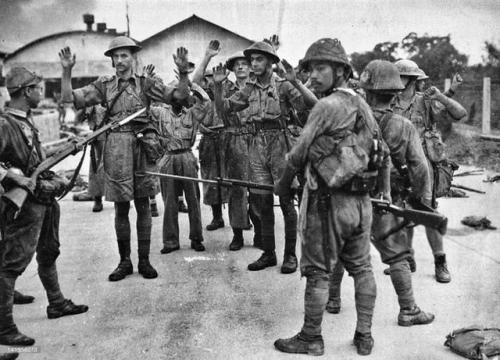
pixel 43 58
pixel 195 35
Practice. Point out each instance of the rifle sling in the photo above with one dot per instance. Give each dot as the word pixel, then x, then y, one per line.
pixel 75 175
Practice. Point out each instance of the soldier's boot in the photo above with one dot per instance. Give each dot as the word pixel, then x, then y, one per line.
pixel 9 334
pixel 217 220
pixel 267 259
pixel 334 301
pixel 237 242
pixel 364 343
pixel 441 269
pixel 66 308
pixel 154 207
pixel 9 356
pixel 289 263
pixel 197 245
pixel 181 206
pixel 20 299
pixel 144 267
pixel 125 267
pixel 365 290
pixel 301 344
pixel 414 316
pixel 97 204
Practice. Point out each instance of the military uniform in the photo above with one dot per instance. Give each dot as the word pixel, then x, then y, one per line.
pixel 178 131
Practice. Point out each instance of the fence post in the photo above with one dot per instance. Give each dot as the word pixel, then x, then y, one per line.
pixel 486 105
pixel 447 84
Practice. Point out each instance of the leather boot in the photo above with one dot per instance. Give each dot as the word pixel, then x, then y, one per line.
pixel 197 245
pixel 414 316
pixel 333 305
pixel 9 334
pixel 267 259
pixel 144 267
pixel 9 356
pixel 363 342
pixel 289 264
pixel 237 242
pixel 97 204
pixel 441 269
pixel 22 299
pixel 66 308
pixel 217 221
pixel 125 266
pixel 182 206
pixel 301 344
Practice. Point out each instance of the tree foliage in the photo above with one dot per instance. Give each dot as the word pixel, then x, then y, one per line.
pixel 383 51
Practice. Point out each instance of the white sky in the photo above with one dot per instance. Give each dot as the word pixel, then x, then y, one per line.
pixel 359 24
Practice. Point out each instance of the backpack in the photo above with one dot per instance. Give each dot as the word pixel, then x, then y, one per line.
pixel 474 342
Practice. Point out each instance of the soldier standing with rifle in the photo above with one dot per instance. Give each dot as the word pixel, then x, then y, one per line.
pixel 336 215
pixel 409 181
pixel 269 100
pixel 425 111
pixel 131 148
pixel 35 225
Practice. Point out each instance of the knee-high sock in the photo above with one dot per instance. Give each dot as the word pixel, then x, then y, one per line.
pixel 315 299
pixel 365 294
pixel 50 281
pixel 435 240
pixel 143 225
pixel 401 280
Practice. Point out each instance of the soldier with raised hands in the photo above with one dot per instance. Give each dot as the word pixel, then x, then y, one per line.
pixel 131 149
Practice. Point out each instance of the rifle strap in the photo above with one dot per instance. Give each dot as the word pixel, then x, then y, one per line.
pixel 75 175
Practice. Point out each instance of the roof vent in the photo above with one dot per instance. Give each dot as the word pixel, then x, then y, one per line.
pixel 101 27
pixel 89 20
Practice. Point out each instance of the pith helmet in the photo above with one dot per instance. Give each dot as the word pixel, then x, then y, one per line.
pixel 262 47
pixel 381 75
pixel 407 68
pixel 232 59
pixel 19 77
pixel 121 42
pixel 326 49
pixel 423 75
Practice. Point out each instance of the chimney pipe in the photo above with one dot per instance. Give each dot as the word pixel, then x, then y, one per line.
pixel 101 27
pixel 112 31
pixel 89 20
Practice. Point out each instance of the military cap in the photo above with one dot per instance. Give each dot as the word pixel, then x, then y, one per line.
pixel 120 42
pixel 20 77
pixel 262 47
pixel 232 59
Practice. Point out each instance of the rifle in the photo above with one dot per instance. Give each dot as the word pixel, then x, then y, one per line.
pixel 17 195
pixel 458 186
pixel 425 216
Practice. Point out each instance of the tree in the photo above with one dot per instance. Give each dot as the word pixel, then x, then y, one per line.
pixel 382 51
pixel 435 55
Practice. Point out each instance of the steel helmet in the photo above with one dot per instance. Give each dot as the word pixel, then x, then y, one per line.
pixel 121 42
pixel 326 49
pixel 232 59
pixel 262 47
pixel 423 75
pixel 19 77
pixel 382 76
pixel 407 68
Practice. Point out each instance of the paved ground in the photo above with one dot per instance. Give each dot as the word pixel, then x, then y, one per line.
pixel 208 306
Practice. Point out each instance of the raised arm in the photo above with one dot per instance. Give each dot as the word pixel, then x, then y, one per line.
pixel 212 50
pixel 456 110
pixel 67 62
pixel 289 73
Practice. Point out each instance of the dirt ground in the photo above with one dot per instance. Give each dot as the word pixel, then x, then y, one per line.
pixel 208 306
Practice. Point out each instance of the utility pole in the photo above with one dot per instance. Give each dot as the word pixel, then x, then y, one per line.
pixel 280 17
pixel 128 20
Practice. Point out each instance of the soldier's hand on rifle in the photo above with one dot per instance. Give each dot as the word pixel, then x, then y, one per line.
pixel 274 41
pixel 289 74
pixel 149 71
pixel 67 58
pixel 220 73
pixel 213 49
pixel 77 142
pixel 181 60
pixel 22 181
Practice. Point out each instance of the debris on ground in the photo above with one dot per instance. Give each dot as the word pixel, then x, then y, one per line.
pixel 492 179
pixel 478 222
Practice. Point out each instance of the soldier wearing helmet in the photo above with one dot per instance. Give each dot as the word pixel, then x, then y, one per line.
pixel 426 111
pixel 337 214
pixel 409 181
pixel 269 100
pixel 124 155
pixel 34 227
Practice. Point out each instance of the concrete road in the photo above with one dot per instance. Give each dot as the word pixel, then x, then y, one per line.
pixel 208 306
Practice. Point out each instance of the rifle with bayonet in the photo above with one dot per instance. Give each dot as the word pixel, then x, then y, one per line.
pixel 458 186
pixel 421 216
pixel 17 195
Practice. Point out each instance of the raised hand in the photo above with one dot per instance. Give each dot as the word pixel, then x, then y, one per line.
pixel 220 73
pixel 274 41
pixel 432 93
pixel 149 71
pixel 181 60
pixel 456 81
pixel 289 73
pixel 213 49
pixel 67 58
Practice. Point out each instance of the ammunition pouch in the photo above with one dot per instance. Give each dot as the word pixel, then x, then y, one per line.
pixel 433 145
pixel 362 184
pixel 49 186
pixel 150 143
pixel 443 176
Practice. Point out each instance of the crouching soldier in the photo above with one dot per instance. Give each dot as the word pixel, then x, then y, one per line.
pixel 409 181
pixel 35 227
